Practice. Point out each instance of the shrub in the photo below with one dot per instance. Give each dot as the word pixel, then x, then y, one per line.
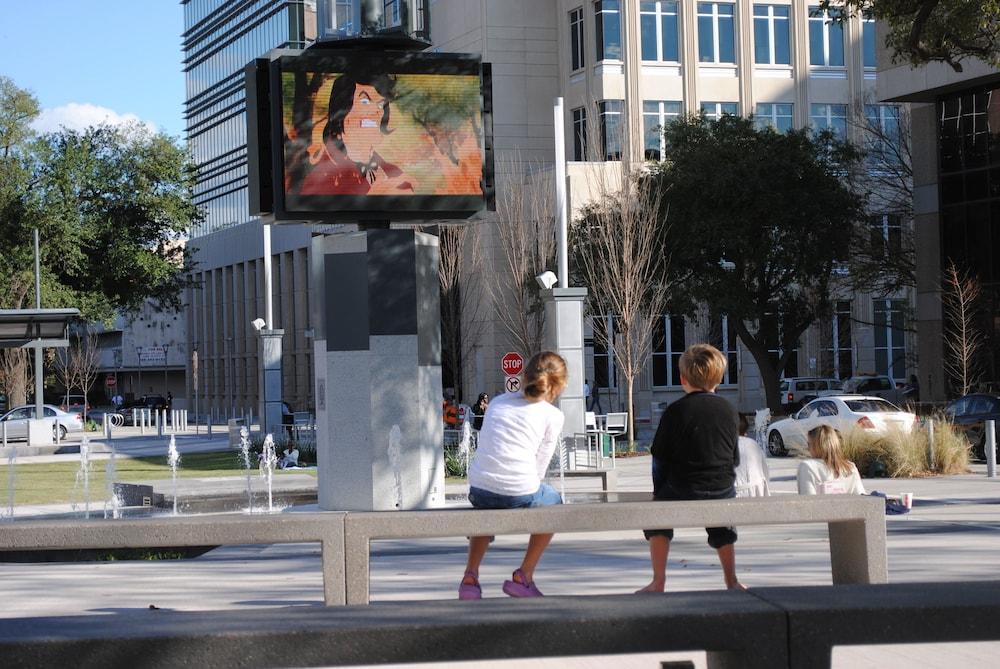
pixel 454 464
pixel 898 454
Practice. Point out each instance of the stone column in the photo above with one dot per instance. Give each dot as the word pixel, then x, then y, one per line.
pixel 270 381
pixel 377 359
pixel 564 334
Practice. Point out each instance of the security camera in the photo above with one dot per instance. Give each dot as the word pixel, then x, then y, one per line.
pixel 258 323
pixel 546 280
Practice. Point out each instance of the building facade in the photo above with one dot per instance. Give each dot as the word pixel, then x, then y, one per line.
pixel 956 198
pixel 619 65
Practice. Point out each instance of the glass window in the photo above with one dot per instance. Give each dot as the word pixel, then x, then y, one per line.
pixel 658 31
pixel 607 19
pixel 886 235
pixel 774 115
pixel 722 335
pixel 868 40
pixel 668 346
pixel 716 32
pixel 829 117
pixel 773 329
pixel 580 134
pixel 715 110
pixel 771 35
pixel 605 371
pixel 576 38
pixel 884 141
pixel 890 338
pixel 826 37
pixel 656 114
pixel 837 354
pixel 611 128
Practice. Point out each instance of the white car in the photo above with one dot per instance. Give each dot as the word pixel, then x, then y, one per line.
pixel 841 412
pixel 16 421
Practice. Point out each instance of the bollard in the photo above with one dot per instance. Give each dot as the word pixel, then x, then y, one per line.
pixel 142 421
pixel 208 421
pixel 5 434
pixel 930 444
pixel 991 449
pixel 159 423
pixel 250 421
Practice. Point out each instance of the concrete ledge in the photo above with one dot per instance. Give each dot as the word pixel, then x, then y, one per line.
pixel 856 526
pixel 609 477
pixel 736 629
pixel 166 531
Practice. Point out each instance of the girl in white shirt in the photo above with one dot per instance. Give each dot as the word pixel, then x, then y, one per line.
pixel 828 472
pixel 519 434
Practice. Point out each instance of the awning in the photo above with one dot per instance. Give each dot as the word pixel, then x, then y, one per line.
pixel 28 328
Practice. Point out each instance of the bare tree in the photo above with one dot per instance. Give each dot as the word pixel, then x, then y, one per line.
pixel 460 276
pixel 76 366
pixel 620 255
pixel 16 375
pixel 525 230
pixel 963 340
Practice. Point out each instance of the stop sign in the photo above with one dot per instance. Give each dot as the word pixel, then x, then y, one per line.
pixel 511 364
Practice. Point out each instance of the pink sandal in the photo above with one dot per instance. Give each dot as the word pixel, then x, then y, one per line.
pixel 470 590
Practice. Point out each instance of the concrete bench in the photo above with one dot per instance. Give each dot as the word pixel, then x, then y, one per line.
pixel 856 527
pixel 764 627
pixel 220 530
pixel 609 477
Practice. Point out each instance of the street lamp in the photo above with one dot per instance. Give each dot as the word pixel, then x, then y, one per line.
pixel 138 357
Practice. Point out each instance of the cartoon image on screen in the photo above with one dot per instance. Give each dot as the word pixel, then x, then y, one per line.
pixel 366 133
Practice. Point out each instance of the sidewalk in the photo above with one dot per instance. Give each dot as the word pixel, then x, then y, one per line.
pixel 953 533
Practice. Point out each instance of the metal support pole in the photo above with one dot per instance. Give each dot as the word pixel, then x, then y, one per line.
pixel 209 419
pixel 39 371
pixel 930 444
pixel 159 423
pixel 268 306
pixel 561 225
pixel 991 449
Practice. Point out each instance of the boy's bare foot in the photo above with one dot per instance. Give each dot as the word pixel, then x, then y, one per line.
pixel 736 585
pixel 654 586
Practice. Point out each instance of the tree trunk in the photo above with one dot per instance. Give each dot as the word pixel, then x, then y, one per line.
pixel 768 374
pixel 631 416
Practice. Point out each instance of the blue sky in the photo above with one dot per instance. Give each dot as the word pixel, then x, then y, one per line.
pixel 91 59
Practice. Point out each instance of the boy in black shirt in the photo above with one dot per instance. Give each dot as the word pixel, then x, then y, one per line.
pixel 695 456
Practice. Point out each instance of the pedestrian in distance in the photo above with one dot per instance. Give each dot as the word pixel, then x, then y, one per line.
pixel 695 454
pixel 519 436
pixel 594 403
pixel 479 411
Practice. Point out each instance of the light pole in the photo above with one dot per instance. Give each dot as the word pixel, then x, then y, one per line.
pixel 165 347
pixel 138 360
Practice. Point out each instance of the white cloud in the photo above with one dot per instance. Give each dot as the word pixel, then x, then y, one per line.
pixel 79 116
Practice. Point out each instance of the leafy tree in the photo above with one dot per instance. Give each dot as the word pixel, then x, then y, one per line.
pixel 925 31
pixel 758 222
pixel 111 205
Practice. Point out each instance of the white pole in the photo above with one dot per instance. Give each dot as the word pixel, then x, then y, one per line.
pixel 268 307
pixel 560 158
pixel 991 449
pixel 39 373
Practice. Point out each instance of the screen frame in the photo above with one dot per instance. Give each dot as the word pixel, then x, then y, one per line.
pixel 328 208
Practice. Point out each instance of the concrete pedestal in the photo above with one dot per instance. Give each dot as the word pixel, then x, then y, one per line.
pixel 40 431
pixel 564 335
pixel 270 381
pixel 378 371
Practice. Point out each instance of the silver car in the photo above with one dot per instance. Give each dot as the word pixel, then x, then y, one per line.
pixel 16 421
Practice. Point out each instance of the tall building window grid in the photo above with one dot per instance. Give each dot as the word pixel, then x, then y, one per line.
pixel 723 336
pixel 342 17
pixel 580 134
pixel 611 128
pixel 886 234
pixel 392 14
pixel 715 110
pixel 890 338
pixel 837 356
pixel 669 342
pixel 576 39
pixel 717 33
pixel 605 370
pixel 883 143
pixel 772 30
pixel 658 28
pixel 777 115
pixel 656 114
pixel 868 43
pixel 833 117
pixel 826 37
pixel 607 24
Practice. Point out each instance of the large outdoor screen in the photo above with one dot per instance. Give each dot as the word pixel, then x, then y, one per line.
pixel 365 135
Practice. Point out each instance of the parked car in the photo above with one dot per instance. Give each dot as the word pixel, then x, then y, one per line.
pixel 841 412
pixel 970 414
pixel 796 391
pixel 151 402
pixel 875 386
pixel 75 404
pixel 17 420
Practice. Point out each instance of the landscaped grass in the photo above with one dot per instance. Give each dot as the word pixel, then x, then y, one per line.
pixel 55 482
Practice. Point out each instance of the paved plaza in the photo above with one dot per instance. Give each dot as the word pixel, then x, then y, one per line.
pixel 952 534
